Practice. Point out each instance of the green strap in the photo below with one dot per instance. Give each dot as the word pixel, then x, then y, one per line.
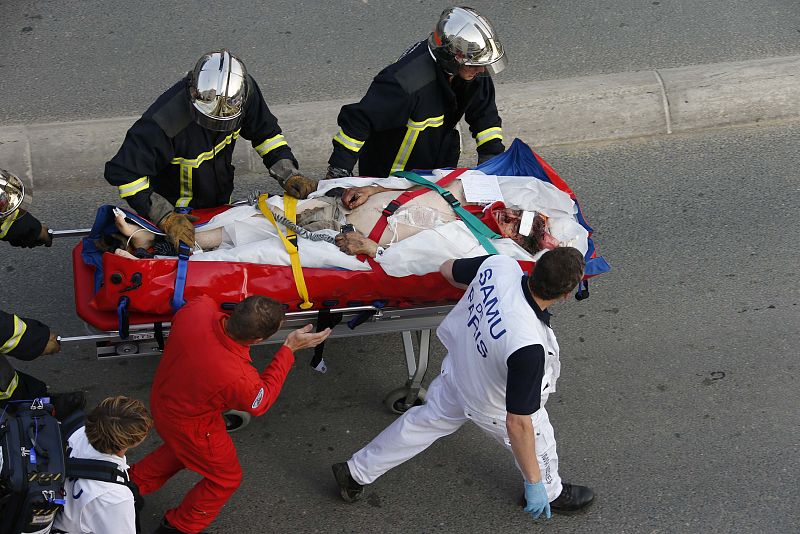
pixel 481 232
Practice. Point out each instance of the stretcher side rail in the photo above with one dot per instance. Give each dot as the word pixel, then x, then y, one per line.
pixel 415 325
pixel 383 321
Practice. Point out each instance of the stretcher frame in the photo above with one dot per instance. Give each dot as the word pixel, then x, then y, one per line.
pixel 414 324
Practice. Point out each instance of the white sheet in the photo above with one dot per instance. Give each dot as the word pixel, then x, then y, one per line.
pixel 249 237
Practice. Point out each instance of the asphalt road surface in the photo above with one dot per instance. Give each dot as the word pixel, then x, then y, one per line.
pixel 79 59
pixel 677 401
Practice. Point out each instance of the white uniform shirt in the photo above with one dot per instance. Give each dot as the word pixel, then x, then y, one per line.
pixel 93 506
pixel 491 321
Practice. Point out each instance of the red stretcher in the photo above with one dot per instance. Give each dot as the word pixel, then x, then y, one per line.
pixel 128 304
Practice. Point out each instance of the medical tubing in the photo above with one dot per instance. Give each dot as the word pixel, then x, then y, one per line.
pixel 302 232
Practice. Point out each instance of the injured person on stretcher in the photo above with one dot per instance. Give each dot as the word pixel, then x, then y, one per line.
pixel 530 217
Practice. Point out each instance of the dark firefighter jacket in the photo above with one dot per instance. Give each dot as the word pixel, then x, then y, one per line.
pixel 408 117
pixel 166 151
pixel 21 338
pixel 21 229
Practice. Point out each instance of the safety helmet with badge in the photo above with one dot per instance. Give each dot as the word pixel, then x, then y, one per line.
pixel 463 37
pixel 12 192
pixel 218 90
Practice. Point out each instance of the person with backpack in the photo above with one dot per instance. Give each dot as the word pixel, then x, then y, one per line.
pixel 115 426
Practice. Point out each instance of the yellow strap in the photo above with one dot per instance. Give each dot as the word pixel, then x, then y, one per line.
pixel 290 210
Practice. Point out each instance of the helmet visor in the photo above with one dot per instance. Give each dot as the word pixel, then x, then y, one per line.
pixel 498 66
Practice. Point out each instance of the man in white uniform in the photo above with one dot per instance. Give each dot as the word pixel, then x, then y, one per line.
pixel 501 365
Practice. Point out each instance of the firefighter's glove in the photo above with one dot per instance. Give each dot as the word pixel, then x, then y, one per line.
pixel 179 227
pixel 53 345
pixel 299 186
pixel 45 237
pixel 536 500
pixel 483 158
pixel 336 172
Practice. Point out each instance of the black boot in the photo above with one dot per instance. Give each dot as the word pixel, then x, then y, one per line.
pixel 166 528
pixel 572 499
pixel 349 489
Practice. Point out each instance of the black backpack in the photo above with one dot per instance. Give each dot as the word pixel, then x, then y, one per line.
pixel 34 464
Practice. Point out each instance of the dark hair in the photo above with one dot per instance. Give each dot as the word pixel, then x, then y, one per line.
pixel 557 272
pixel 117 423
pixel 255 317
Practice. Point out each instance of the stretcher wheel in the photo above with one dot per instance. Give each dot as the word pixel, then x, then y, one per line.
pixel 395 401
pixel 127 348
pixel 235 420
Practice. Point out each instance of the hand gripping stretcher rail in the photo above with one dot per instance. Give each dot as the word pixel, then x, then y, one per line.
pixel 127 304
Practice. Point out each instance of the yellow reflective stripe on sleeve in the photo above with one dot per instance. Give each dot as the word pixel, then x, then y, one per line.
pixel 488 134
pixel 413 129
pixel 350 143
pixel 5 226
pixel 11 388
pixel 271 144
pixel 205 156
pixel 186 187
pixel 130 189
pixel 12 342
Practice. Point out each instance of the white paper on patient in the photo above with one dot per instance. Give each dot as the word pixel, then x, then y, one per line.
pixel 249 237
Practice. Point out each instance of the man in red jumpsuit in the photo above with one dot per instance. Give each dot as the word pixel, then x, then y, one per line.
pixel 205 370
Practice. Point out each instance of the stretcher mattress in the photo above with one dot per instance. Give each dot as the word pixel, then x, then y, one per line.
pixel 144 290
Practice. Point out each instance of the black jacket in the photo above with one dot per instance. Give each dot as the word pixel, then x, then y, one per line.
pixel 21 338
pixel 408 117
pixel 21 229
pixel 166 151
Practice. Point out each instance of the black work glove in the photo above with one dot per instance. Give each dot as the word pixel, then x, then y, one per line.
pixel 483 158
pixel 336 172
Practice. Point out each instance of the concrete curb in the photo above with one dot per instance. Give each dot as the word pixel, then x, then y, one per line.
pixel 614 106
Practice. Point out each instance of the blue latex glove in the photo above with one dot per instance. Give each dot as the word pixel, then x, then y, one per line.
pixel 536 497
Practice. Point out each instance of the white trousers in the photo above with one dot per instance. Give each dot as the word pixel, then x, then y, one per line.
pixel 443 413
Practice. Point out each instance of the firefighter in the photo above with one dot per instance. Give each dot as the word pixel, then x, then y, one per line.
pixel 21 337
pixel 178 154
pixel 408 118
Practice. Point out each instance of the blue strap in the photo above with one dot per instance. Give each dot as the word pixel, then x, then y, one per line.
pixel 180 276
pixel 481 232
pixel 122 317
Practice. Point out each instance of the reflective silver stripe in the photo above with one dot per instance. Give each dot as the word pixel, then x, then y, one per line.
pixel 186 187
pixel 433 122
pixel 130 189
pixel 271 144
pixel 10 389
pixel 205 156
pixel 350 143
pixel 413 129
pixel 488 134
pixel 6 224
pixel 12 342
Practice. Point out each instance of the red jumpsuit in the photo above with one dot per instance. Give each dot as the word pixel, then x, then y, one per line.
pixel 203 373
